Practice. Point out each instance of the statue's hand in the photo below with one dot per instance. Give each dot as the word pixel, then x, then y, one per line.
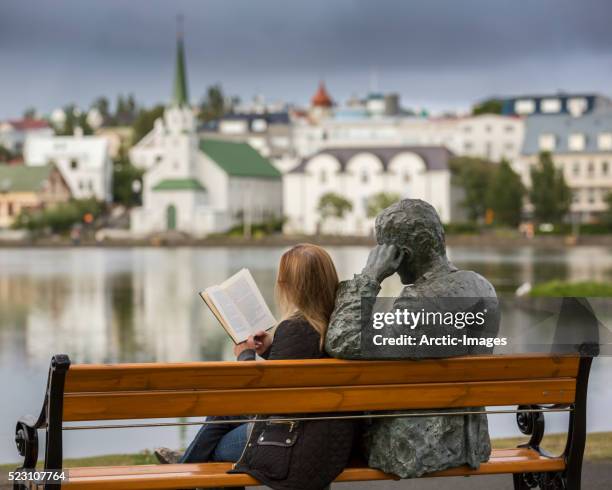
pixel 383 262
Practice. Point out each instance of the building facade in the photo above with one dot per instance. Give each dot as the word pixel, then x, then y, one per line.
pixel 489 136
pixel 25 188
pixel 13 134
pixel 582 148
pixel 199 185
pixel 576 104
pixel 358 174
pixel 84 161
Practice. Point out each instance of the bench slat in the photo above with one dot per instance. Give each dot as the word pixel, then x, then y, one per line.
pixel 163 477
pixel 190 403
pixel 324 372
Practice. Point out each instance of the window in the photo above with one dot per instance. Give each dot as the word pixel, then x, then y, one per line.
pixel 259 125
pixel 576 170
pixel 509 129
pixel 74 164
pixel 576 141
pixel 488 128
pixel 468 146
pixel 364 177
pixel 467 129
pixel 592 197
pixel 577 106
pixel 406 177
pixel 9 208
pixel 550 106
pixel 323 177
pixel 547 141
pixel 524 106
pixel 605 168
pixel 590 169
pixel 604 141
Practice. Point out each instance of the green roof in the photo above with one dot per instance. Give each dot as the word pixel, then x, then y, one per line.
pixel 239 159
pixel 21 178
pixel 180 96
pixel 179 185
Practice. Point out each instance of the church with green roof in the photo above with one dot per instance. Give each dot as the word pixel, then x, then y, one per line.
pixel 199 186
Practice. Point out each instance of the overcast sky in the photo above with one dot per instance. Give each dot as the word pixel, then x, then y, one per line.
pixel 434 53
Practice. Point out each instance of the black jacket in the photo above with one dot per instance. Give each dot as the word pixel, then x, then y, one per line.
pixel 305 455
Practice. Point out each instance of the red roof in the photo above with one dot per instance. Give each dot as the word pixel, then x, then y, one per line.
pixel 322 98
pixel 29 124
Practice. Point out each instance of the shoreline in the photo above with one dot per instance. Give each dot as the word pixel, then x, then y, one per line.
pixel 475 241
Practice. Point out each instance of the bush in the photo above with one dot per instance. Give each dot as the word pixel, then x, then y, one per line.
pixel 59 218
pixel 571 289
pixel 269 226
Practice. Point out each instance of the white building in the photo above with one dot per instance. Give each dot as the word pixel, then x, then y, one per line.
pixel 84 162
pixel 357 174
pixel 13 134
pixel 488 136
pixel 199 186
pixel 582 148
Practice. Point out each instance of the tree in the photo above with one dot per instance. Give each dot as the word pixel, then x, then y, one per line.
pixel 489 106
pixel 5 154
pixel 125 112
pixel 606 217
pixel 213 104
pixel 332 205
pixel 74 119
pixel 29 113
pixel 103 106
pixel 380 201
pixel 124 176
pixel 144 122
pixel 505 195
pixel 474 176
pixel 550 195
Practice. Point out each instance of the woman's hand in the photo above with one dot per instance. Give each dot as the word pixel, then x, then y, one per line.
pixel 260 342
pixel 241 347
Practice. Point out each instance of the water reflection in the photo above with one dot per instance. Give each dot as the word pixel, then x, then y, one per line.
pixel 141 305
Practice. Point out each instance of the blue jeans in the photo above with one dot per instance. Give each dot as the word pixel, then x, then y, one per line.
pixel 218 442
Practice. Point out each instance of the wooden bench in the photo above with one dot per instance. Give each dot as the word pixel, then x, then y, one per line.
pixel 537 383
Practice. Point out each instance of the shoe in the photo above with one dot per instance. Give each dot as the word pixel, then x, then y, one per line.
pixel 167 456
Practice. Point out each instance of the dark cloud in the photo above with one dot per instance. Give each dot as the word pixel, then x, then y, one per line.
pixel 434 52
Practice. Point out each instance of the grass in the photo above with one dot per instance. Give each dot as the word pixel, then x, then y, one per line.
pixel 572 289
pixel 598 447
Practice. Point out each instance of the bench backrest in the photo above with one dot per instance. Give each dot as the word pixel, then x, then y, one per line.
pixel 140 391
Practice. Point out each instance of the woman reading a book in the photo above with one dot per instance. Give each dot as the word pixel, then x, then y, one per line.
pixel 285 455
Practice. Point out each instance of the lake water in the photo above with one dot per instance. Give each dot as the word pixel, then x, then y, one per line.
pixel 141 305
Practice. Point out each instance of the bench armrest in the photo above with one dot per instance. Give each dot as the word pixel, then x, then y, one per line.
pixel 26 438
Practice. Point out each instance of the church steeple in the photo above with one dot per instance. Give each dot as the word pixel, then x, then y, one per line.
pixel 180 95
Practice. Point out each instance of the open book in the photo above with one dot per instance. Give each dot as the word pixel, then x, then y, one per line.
pixel 239 306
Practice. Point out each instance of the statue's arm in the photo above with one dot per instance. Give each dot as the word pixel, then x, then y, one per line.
pixel 343 338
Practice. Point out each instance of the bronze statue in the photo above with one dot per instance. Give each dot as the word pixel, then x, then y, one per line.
pixel 411 243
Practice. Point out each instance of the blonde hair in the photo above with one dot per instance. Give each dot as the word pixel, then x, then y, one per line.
pixel 306 285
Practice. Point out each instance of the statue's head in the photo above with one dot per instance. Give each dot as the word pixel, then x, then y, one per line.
pixel 414 226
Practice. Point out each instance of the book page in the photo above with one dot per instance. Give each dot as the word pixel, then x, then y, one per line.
pixel 241 328
pixel 247 298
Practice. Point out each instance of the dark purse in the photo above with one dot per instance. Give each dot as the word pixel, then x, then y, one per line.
pixel 273 449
